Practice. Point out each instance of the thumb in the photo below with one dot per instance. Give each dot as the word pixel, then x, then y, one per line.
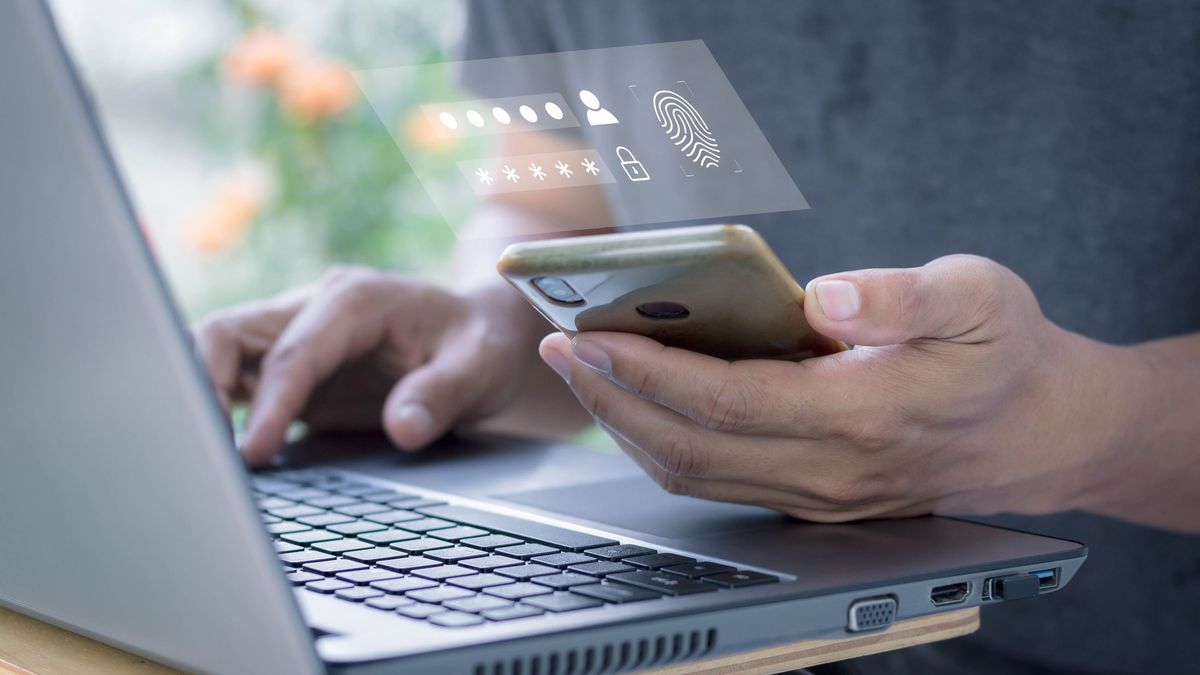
pixel 429 399
pixel 952 298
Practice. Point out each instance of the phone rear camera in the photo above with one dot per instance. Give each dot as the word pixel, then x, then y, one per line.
pixel 663 310
pixel 557 290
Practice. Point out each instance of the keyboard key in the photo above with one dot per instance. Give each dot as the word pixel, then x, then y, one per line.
pixel 393 517
pixel 372 555
pixel 697 570
pixel 459 532
pixel 407 564
pixel 285 547
pixel 519 527
pixel 563 559
pixel 298 558
pixel 357 489
pixel 270 485
pixel 325 519
pixel 601 568
pixel 301 578
pixel 518 590
pixel 563 602
pixel 302 494
pixel 491 562
pixel 403 585
pixel 616 593
pixel 442 572
pixel 620 551
pixel 663 583
pixel 310 536
pixel 509 613
pixel 741 578
pixel 364 577
pixel 491 541
pixel 358 594
pixel 331 567
pixel 440 594
pixel 361 509
pixel 564 580
pixel 267 503
pixel 385 496
pixel 526 572
pixel 341 545
pixel 455 553
pixel 480 581
pixel 424 524
pixel 658 560
pixel 356 527
pixel 387 536
pixel 328 586
pixel 478 603
pixel 420 545
pixel 526 550
pixel 415 503
pixel 332 501
pixel 297 511
pixel 420 610
pixel 389 602
pixel 287 527
pixel 455 620
pixel 269 519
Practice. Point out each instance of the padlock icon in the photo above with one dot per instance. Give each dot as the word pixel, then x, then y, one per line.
pixel 633 168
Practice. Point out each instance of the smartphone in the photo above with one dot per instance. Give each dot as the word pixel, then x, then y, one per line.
pixel 714 289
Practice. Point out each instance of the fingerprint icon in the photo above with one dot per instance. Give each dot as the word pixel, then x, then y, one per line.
pixel 687 129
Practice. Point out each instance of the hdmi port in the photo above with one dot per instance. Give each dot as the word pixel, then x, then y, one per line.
pixel 950 594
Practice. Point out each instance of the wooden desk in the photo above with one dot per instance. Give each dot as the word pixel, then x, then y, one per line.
pixel 30 647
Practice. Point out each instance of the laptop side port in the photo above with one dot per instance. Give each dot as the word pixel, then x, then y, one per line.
pixel 871 614
pixel 1047 579
pixel 950 594
pixel 1014 586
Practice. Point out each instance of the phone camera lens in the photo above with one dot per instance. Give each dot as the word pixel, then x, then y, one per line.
pixel 557 290
pixel 663 310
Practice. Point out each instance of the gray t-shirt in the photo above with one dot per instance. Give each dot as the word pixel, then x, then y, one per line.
pixel 1061 139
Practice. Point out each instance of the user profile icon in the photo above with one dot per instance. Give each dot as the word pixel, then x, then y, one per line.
pixel 597 115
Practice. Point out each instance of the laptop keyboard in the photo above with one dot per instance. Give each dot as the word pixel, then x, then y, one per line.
pixel 454 565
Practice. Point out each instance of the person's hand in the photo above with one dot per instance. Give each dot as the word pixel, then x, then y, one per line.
pixel 961 397
pixel 363 349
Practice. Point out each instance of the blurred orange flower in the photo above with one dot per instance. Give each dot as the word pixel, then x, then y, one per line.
pixel 317 89
pixel 260 58
pixel 225 220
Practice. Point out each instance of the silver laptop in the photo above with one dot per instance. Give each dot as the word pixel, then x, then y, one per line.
pixel 126 513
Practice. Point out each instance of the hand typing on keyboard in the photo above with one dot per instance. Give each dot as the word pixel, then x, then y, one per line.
pixel 363 349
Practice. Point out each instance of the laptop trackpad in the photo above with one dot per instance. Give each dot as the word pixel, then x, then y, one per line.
pixel 639 505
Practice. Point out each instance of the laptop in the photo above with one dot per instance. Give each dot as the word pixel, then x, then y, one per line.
pixel 126 513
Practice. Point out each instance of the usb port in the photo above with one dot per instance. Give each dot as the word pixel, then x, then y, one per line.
pixel 950 594
pixel 1047 579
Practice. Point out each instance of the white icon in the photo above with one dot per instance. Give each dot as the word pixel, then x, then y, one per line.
pixel 596 115
pixel 484 176
pixel 536 172
pixel 501 115
pixel 553 110
pixel 633 168
pixel 590 167
pixel 564 169
pixel 475 118
pixel 449 121
pixel 687 129
pixel 511 174
pixel 528 113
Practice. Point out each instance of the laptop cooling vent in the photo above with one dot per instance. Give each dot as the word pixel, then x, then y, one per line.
pixel 610 657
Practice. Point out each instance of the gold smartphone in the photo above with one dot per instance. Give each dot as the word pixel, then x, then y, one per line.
pixel 714 289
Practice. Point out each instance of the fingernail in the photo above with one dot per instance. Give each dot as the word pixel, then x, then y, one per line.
pixel 838 299
pixel 592 356
pixel 416 420
pixel 556 360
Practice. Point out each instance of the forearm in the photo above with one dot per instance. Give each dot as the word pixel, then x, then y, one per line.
pixel 1154 468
